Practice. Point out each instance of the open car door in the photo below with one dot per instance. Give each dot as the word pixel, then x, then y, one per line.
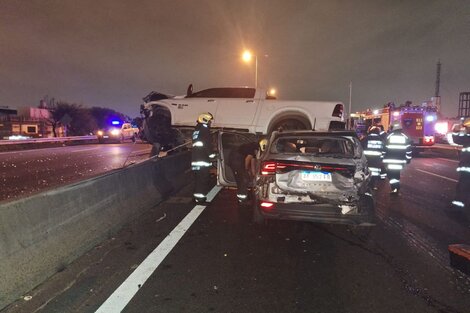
pixel 227 141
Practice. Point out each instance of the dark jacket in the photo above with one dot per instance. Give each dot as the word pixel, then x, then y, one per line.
pixel 237 156
pixel 464 140
pixel 202 143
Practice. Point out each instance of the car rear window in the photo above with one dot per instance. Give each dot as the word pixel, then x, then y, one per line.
pixel 318 146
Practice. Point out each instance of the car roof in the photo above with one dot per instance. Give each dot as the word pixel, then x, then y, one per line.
pixel 333 133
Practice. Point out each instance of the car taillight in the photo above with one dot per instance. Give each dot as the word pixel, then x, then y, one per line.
pixel 266 206
pixel 268 168
pixel 338 111
pixel 428 139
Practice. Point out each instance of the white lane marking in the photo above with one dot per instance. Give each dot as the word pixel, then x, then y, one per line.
pixel 450 160
pixel 127 290
pixel 443 177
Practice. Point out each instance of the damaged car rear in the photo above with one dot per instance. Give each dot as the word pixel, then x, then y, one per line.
pixel 316 177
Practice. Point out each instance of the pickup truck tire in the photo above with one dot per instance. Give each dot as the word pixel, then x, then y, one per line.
pixel 290 123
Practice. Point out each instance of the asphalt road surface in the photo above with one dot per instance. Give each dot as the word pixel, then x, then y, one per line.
pixel 225 263
pixel 23 173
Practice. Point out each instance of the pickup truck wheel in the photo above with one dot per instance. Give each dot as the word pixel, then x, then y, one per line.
pixel 289 124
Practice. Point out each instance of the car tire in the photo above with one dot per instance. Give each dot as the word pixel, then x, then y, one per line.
pixel 134 138
pixel 367 206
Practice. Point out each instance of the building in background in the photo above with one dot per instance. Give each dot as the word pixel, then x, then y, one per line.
pixel 25 121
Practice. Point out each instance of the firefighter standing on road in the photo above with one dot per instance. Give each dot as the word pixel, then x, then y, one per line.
pixel 242 162
pixel 397 154
pixel 374 150
pixel 202 155
pixel 461 136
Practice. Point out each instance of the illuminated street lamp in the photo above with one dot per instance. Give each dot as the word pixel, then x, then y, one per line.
pixel 246 57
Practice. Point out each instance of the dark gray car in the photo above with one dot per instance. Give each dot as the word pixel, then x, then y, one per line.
pixel 314 176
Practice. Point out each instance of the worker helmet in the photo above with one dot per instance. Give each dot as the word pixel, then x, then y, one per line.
pixel 205 118
pixel 263 144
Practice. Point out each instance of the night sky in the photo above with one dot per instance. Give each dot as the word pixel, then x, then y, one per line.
pixel 111 53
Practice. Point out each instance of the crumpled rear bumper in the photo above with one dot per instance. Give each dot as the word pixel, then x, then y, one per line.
pixel 319 213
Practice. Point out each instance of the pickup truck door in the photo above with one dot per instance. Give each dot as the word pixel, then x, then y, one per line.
pixel 226 142
pixel 236 112
pixel 188 109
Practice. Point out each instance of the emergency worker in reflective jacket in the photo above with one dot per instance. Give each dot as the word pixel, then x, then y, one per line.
pixel 397 155
pixel 202 155
pixel 461 136
pixel 374 150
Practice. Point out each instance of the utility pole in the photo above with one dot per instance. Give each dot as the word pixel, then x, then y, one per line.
pixel 437 97
pixel 350 101
pixel 438 78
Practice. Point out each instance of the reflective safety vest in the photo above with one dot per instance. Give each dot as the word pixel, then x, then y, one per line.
pixel 374 150
pixel 397 150
pixel 373 146
pixel 463 138
pixel 201 147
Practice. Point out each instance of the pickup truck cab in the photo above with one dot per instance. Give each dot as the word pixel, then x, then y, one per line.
pixel 243 108
pixel 115 134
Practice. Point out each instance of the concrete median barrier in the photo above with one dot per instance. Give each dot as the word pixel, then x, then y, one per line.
pixel 41 234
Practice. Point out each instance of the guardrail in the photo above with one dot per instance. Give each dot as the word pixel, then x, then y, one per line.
pixel 42 140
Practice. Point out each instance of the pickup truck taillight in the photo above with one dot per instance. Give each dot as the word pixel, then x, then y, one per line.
pixel 338 111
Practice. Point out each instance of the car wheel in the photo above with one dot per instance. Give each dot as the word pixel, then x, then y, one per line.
pixel 133 138
pixel 367 207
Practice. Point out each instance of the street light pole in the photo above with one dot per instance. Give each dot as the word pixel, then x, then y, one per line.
pixel 256 71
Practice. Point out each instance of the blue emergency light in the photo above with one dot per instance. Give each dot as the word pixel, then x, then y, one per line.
pixel 115 122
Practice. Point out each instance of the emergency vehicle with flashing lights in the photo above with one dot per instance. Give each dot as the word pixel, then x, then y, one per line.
pixel 416 122
pixel 118 134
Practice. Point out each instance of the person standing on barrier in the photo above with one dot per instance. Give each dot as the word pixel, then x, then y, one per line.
pixel 397 155
pixel 461 136
pixel 202 155
pixel 374 150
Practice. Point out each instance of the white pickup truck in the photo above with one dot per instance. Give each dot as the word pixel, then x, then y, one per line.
pixel 127 131
pixel 242 108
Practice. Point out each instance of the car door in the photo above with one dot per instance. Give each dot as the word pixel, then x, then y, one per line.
pixel 226 143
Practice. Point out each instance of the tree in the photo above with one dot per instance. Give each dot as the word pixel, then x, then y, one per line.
pixel 59 112
pixel 104 116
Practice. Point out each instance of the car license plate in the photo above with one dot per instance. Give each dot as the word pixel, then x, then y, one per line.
pixel 315 176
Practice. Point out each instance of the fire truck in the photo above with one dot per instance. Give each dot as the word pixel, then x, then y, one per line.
pixel 417 122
